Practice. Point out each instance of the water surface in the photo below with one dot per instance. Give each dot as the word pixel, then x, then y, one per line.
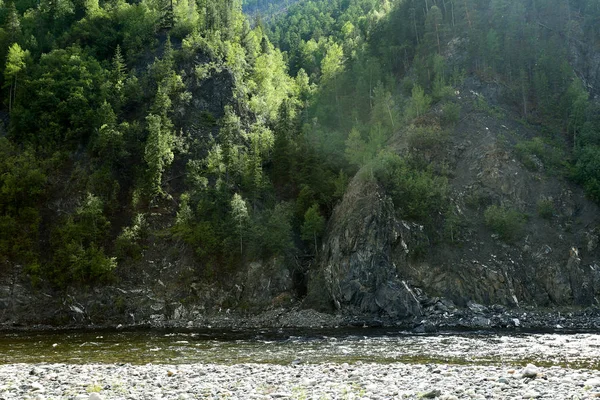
pixel 576 350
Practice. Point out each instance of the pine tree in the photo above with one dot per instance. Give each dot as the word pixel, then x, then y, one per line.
pixel 158 152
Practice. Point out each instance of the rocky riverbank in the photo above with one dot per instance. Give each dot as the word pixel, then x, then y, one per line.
pixel 295 381
pixel 438 315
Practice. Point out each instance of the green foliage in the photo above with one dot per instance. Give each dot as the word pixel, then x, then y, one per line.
pixel 505 222
pixel 22 185
pixel 356 149
pixel 427 139
pixel 15 63
pixel 550 155
pixel 313 226
pixel 418 195
pixel 58 101
pixel 186 17
pixel 129 242
pixel 419 103
pixel 79 255
pixel 587 170
pixel 269 83
pixel 239 214
pixel 450 113
pixel 272 232
pixel 159 150
pixel 90 104
pixel 545 208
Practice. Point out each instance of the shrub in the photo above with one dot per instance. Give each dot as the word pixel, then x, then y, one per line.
pixel 418 195
pixel 450 113
pixel 587 171
pixel 551 156
pixel 545 208
pixel 507 223
pixel 128 241
pixel 427 138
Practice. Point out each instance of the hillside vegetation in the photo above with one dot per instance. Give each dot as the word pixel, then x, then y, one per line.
pixel 183 125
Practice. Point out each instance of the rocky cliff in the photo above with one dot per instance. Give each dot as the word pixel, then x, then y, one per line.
pixel 374 262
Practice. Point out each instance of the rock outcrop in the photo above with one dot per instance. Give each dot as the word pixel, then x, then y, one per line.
pixel 368 261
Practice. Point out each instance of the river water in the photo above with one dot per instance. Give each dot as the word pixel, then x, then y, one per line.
pixel 574 350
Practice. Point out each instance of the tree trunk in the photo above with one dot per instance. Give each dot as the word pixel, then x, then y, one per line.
pixel 391 118
pixel 468 14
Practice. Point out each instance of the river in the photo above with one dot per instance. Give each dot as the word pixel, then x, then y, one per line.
pixel 578 350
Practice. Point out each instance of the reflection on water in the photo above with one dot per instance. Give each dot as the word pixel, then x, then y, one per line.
pixel 280 347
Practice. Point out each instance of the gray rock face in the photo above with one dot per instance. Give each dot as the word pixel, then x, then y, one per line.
pixel 260 284
pixel 359 267
pixel 586 62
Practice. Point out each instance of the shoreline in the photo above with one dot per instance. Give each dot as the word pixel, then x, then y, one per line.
pixel 474 318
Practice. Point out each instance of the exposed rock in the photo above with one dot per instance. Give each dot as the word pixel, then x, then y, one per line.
pixel 260 284
pixel 368 261
pixel 358 268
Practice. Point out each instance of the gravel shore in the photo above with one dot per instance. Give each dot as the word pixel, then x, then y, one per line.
pixel 296 381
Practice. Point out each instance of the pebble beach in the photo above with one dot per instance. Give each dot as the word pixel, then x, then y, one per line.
pixel 294 381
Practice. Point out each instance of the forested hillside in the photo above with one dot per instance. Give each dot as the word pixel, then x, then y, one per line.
pixel 118 113
pixel 185 134
pixel 266 8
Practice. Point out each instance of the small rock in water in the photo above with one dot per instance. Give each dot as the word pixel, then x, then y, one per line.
pixel 170 372
pixel 95 396
pixel 530 371
pixel 531 395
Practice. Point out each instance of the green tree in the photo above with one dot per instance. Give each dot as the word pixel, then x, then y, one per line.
pixel 78 245
pixel 118 75
pixel 239 214
pixel 356 148
pixel 419 103
pixel 384 108
pixel 158 153
pixel 333 62
pixel 434 30
pixel 22 190
pixel 15 63
pixel 313 226
pixel 12 23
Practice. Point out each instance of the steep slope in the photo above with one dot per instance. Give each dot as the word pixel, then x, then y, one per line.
pixel 374 261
